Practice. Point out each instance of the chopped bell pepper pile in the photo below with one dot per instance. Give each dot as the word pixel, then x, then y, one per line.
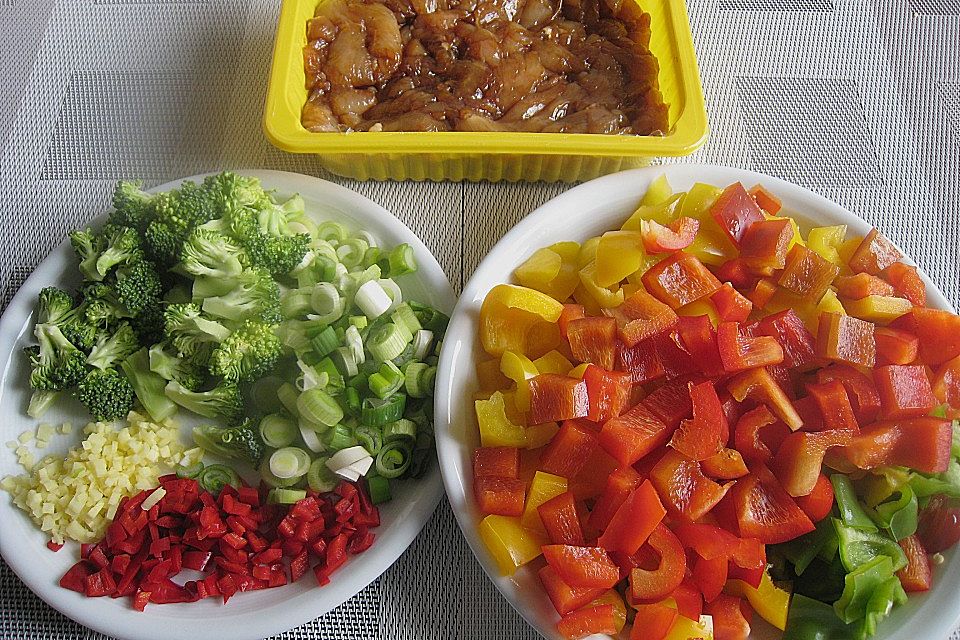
pixel 708 414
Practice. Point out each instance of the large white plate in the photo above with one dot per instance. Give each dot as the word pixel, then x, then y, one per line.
pixel 582 212
pixel 249 615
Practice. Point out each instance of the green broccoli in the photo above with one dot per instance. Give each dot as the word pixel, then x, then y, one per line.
pixel 192 334
pixel 122 247
pixel 53 305
pixel 223 401
pixel 56 306
pixel 277 254
pixel 110 350
pixel 106 394
pixel 232 193
pixel 210 254
pixel 101 307
pixel 176 213
pixel 88 247
pixel 274 219
pixel 149 387
pixel 131 205
pixel 253 294
pixel 56 363
pixel 149 323
pixel 170 366
pixel 138 286
pixel 40 402
pixel 250 352
pixel 240 442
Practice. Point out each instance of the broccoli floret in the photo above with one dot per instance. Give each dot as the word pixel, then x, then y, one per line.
pixel 232 193
pixel 195 205
pixel 110 350
pixel 176 213
pixel 277 254
pixel 131 205
pixel 53 305
pixel 138 286
pixel 56 363
pixel 122 247
pixel 250 352
pixel 149 323
pixel 56 307
pixel 170 366
pixel 106 394
pixel 149 387
pixel 240 442
pixel 88 247
pixel 101 307
pixel 193 335
pixel 254 294
pixel 163 242
pixel 40 402
pixel 207 253
pixel 223 401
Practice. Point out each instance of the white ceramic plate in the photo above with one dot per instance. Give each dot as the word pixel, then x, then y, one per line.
pixel 585 211
pixel 248 616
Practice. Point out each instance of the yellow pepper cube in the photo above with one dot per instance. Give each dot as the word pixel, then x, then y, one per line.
pixel 619 253
pixel 686 629
pixel 701 307
pixel 490 378
pixel 509 312
pixel 510 544
pixel 496 429
pixel 540 435
pixel 550 272
pixel 518 368
pixel 878 309
pixel 543 487
pixel 602 296
pixel 768 600
pixel 658 191
pixel 553 362
pixel 578 371
pixel 588 251
pixel 827 241
pixel 698 200
pixel 663 212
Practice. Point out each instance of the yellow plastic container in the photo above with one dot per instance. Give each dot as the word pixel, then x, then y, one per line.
pixel 451 155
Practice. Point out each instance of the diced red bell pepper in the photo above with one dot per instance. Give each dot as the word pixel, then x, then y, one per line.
pixel 570 312
pixel 620 484
pixel 679 280
pixel 100 583
pixel 736 273
pixel 807 273
pixel 710 542
pixel 905 391
pixel 766 200
pixel 564 597
pixel 642 361
pixel 699 339
pixel 799 459
pixel 710 575
pixel 895 346
pixel 708 432
pixel 608 392
pixel 834 404
pixel 679 234
pixel 593 340
pixel 140 600
pixel 739 352
pixel 653 585
pixel 75 578
pixel 761 293
pixel 861 393
pixel 631 436
pixel 946 387
pixel 728 464
pixel 792 335
pixel 582 566
pixel 757 384
pixel 634 521
pixel 569 450
pixel 861 285
pixel 939 524
pixel 907 282
pixel 675 359
pixel 731 305
pixel 499 496
pixel 670 402
pixel 735 211
pixel 817 503
pixel 587 622
pixel 729 622
pixel 652 621
pixel 496 462
pixel 919 443
pixel 561 520
pixel 554 398
pixel 846 339
pixel 765 511
pixel 641 316
pixel 685 491
pixel 765 244
pixel 916 576
pixel 874 254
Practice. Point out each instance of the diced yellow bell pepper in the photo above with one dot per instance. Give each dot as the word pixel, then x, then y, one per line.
pixel 510 544
pixel 768 600
pixel 542 338
pixel 540 435
pixel 518 368
pixel 579 370
pixel 826 241
pixel 806 308
pixel 496 429
pixel 619 254
pixel 701 307
pixel 508 313
pixel 698 200
pixel 514 414
pixel 549 272
pixel 553 362
pixel 878 309
pixel 847 249
pixel 830 302
pixel 490 378
pixel 588 251
pixel 711 245
pixel 543 487
pixel 658 191
pixel 686 629
pixel 569 251
pixel 603 296
pixel 610 596
pixel 663 212
pixel 582 297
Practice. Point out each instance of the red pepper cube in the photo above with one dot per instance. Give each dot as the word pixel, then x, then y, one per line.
pixel 641 316
pixel 761 293
pixel 679 280
pixel 731 305
pixel 249 495
pixel 100 583
pixel 836 411
pixel 707 433
pixel 140 600
pixel 799 459
pixel 699 339
pixel 895 346
pixel 739 352
pixel 608 392
pixel 861 285
pixel 765 244
pixel 564 597
pixel 361 542
pixel 758 384
pixel 939 332
pixel 496 462
pixel 919 443
pixel 765 511
pixel 500 496
pixel 905 391
pixel 588 621
pixel 561 520
pixel 685 491
pixel 631 436
pixel 593 340
pixel 846 339
pixel 735 211
pixel 570 449
pixel 554 398
pixel 906 282
pixel 634 521
pixel 874 254
pixel 807 273
pixel 299 565
pixel 670 402
pixel 75 578
pixel 786 327
pixel 235 541
pixel 570 312
pixel 766 200
pixel 679 234
pixel 582 566
pixel 642 361
pixel 736 273
pixel 619 485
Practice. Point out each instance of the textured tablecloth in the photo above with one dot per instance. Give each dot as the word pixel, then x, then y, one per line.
pixel 856 99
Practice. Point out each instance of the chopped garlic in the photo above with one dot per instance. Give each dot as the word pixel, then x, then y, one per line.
pixel 66 428
pixel 45 432
pixel 153 498
pixel 25 437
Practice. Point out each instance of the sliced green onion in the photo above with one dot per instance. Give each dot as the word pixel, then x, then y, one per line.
pixel 320 478
pixel 288 395
pixel 352 399
pixel 215 477
pixel 189 472
pixel 295 303
pixel 359 322
pixel 332 232
pixel 355 343
pixel 351 252
pixel 404 316
pixel 326 268
pixel 346 457
pixel 372 300
pixel 316 405
pixel 372 256
pixel 393 291
pixel 386 381
pixel 430 318
pixel 289 462
pixel 310 377
pixel 311 438
pixel 404 358
pixel 402 260
pixel 346 362
pixel 323 250
pixel 267 476
pixel 326 302
pixel 371 438
pixel 422 341
pixel 400 429
pixel 334 380
pixel 340 437
pixel 379 489
pixel 387 342
pixel 279 495
pixel 277 430
pixel 325 342
pixel 308 277
pixel 414 379
pixel 375 412
pixel 394 459
pixel 293 335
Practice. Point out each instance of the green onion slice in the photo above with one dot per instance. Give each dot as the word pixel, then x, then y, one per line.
pixel 320 478
pixel 394 459
pixel 289 462
pixel 316 405
pixel 215 477
pixel 375 412
pixel 277 430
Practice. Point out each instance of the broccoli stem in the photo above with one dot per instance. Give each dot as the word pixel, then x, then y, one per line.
pixel 148 386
